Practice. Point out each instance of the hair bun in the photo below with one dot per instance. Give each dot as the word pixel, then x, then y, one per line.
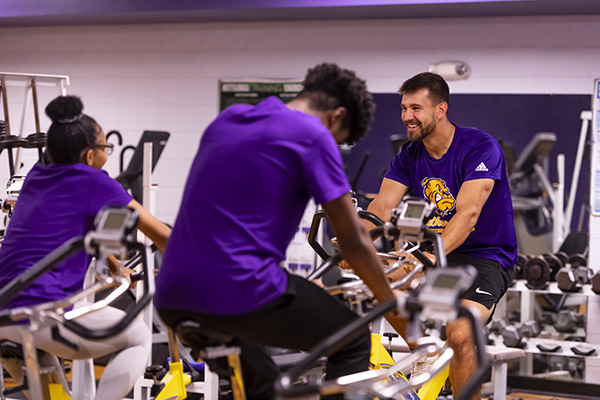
pixel 64 108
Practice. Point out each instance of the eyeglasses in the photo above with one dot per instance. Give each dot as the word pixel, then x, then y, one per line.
pixel 108 148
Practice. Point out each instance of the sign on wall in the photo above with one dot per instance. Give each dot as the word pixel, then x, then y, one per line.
pixel 595 203
pixel 252 92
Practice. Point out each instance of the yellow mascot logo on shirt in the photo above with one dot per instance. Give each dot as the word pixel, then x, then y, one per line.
pixel 435 189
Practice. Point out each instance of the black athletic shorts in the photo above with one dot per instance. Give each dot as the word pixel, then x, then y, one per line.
pixel 493 280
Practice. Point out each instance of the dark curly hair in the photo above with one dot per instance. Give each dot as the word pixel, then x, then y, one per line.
pixel 327 86
pixel 437 86
pixel 71 131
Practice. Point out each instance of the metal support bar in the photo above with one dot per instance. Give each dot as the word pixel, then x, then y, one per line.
pixel 558 216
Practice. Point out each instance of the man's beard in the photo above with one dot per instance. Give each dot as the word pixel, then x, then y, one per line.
pixel 420 132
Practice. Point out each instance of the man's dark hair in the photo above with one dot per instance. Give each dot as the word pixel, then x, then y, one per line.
pixel 437 86
pixel 327 86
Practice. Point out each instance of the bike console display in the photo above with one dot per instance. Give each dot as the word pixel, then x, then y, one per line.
pixel 113 228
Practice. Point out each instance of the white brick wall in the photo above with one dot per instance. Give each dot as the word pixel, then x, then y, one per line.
pixel 164 77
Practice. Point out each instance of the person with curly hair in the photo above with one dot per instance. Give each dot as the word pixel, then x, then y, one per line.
pixel 58 201
pixel 254 173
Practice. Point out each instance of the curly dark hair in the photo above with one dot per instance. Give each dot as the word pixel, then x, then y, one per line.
pixel 327 86
pixel 439 92
pixel 71 131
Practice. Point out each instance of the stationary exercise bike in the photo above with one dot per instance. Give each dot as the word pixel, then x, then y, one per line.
pixel 436 301
pixel 114 233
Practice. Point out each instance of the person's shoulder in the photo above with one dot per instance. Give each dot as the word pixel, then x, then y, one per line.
pixel 474 136
pixel 87 170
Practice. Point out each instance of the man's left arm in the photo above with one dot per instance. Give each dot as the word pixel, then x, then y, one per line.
pixel 469 202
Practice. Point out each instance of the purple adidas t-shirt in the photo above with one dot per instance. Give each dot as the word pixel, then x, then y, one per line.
pixel 55 204
pixel 255 170
pixel 473 154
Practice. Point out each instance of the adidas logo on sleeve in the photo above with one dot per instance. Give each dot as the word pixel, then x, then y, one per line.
pixel 481 167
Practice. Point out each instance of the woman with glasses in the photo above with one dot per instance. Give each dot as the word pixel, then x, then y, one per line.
pixel 57 202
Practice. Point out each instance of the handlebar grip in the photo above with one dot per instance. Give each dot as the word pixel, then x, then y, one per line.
pixel 419 255
pixel 138 276
pixel 326 266
pixel 130 314
pixel 312 235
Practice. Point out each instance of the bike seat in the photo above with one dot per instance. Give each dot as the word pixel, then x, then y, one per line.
pixel 198 336
pixel 10 349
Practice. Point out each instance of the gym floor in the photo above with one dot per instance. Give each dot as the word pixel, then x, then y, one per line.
pixel 530 396
pixel 511 396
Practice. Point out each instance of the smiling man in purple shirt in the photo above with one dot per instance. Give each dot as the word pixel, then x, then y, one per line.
pixel 462 171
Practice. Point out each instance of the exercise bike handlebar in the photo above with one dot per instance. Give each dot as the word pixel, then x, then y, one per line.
pixel 399 284
pixel 24 280
pixel 366 215
pixel 335 259
pixel 148 281
pixel 283 385
pixel 333 343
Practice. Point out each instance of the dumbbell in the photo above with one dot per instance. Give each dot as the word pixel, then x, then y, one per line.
pixel 579 264
pixel 547 318
pixel 574 274
pixel 562 256
pixel 555 262
pixel 595 281
pixel 567 321
pixel 513 336
pixel 537 273
pixel 531 328
pixel 567 281
pixel 540 363
pixel 520 265
pixel 556 363
pixel 514 315
pixel 499 325
pixel 575 366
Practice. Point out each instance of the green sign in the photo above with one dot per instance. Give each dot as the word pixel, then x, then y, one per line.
pixel 245 92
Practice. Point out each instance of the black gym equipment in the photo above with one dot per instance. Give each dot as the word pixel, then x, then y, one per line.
pixel 368 216
pixel 10 142
pixel 595 281
pixel 131 177
pixel 549 348
pixel 537 273
pixel 582 350
pixel 408 222
pixel 529 184
pixel 555 263
pixel 520 265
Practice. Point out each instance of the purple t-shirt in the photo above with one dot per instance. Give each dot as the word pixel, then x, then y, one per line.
pixel 55 204
pixel 255 170
pixel 473 154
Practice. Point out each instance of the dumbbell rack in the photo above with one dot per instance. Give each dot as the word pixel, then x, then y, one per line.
pixel 547 339
pixel 29 82
pixel 520 286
